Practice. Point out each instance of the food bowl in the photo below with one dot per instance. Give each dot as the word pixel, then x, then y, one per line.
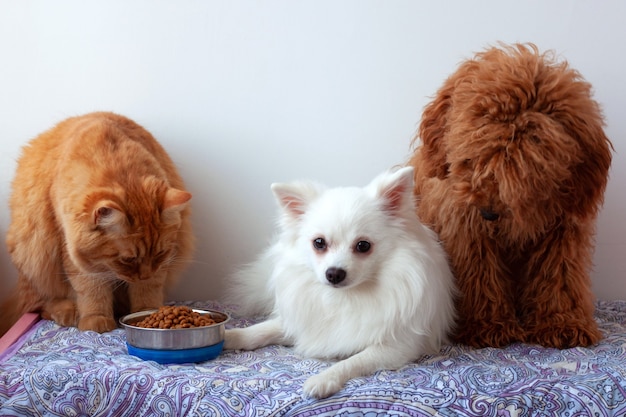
pixel 184 345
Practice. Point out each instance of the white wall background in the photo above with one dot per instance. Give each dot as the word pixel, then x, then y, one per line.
pixel 245 93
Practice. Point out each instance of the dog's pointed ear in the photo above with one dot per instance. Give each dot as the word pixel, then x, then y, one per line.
pixel 295 197
pixel 396 190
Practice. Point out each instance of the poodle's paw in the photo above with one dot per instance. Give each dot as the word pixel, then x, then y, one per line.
pixel 489 334
pixel 564 336
pixel 97 322
pixel 322 385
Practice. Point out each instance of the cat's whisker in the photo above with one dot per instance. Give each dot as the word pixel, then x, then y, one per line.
pixel 119 284
pixel 177 261
pixel 196 262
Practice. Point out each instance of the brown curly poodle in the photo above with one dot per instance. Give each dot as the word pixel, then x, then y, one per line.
pixel 511 172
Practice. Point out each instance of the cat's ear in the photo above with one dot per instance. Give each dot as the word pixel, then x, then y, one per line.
pixel 175 199
pixel 173 203
pixel 108 215
pixel 395 189
pixel 294 197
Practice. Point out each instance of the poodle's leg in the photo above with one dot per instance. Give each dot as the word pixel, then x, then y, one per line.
pixel 557 297
pixel 486 306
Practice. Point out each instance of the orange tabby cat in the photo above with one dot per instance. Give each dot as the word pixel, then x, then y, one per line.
pixel 99 219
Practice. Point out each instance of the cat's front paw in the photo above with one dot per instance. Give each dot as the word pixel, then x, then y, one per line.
pixel 62 312
pixel 322 385
pixel 97 323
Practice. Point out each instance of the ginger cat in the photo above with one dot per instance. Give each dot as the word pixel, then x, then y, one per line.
pixel 99 220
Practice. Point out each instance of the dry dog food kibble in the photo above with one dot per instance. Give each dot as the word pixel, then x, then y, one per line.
pixel 175 317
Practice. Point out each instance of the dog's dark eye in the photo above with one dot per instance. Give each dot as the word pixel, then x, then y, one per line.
pixel 319 244
pixel 362 246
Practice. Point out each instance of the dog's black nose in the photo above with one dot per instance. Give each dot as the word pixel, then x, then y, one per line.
pixel 335 275
pixel 489 215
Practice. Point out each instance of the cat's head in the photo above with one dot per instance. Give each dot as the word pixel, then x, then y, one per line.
pixel 130 231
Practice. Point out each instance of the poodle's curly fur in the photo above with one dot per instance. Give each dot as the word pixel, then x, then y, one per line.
pixel 511 163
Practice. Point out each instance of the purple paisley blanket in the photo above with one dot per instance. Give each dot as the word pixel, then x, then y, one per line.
pixel 54 371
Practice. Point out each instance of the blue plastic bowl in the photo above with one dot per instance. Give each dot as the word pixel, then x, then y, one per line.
pixel 177 356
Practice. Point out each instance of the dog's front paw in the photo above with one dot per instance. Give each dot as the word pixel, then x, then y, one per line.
pixel 256 336
pixel 322 385
pixel 233 340
pixel 564 336
pixel 240 339
pixel 481 334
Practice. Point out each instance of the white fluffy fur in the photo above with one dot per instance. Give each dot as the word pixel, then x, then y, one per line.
pixel 394 305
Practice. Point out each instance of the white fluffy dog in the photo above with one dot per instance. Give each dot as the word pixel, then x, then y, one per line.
pixel 353 275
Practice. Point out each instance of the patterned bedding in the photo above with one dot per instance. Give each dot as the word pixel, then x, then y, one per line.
pixel 56 371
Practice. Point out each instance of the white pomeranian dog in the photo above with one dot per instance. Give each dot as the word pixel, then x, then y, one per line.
pixel 353 275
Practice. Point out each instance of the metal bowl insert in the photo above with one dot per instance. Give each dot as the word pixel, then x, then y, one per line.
pixel 174 339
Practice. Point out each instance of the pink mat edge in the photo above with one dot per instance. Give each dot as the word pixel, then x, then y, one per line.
pixel 17 330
